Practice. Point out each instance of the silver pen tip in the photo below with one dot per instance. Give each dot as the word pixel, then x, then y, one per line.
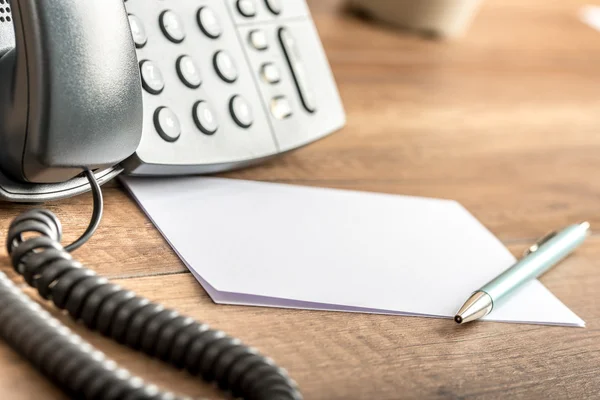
pixel 477 306
pixel 585 225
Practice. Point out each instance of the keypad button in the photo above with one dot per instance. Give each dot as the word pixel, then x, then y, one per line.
pixel 205 118
pixel 225 66
pixel 258 39
pixel 209 23
pixel 188 72
pixel 296 65
pixel 247 8
pixel 270 73
pixel 274 6
pixel 281 108
pixel 152 78
pixel 140 37
pixel 167 124
pixel 172 26
pixel 241 111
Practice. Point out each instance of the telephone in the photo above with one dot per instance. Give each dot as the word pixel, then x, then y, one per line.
pixel 155 87
pixel 92 89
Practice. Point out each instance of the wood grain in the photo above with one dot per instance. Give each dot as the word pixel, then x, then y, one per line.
pixel 505 120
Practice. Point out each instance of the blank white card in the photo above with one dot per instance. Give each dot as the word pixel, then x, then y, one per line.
pixel 268 244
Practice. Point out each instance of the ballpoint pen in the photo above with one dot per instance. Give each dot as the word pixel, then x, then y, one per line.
pixel 539 258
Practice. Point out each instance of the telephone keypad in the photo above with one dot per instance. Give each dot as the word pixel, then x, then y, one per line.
pixel 152 78
pixel 172 27
pixel 219 89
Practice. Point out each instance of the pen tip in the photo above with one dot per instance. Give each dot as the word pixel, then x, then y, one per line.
pixel 585 225
pixel 477 306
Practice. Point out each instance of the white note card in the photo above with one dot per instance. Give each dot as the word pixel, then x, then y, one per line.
pixel 277 245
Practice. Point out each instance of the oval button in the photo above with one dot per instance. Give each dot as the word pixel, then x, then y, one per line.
pixel 205 118
pixel 209 23
pixel 225 67
pixel 274 6
pixel 140 37
pixel 152 78
pixel 172 26
pixel 247 8
pixel 188 72
pixel 241 111
pixel 167 124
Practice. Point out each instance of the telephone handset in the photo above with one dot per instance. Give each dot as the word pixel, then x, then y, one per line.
pixel 210 85
pixel 91 89
pixel 69 94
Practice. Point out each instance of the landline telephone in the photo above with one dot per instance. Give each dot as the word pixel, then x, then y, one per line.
pixel 90 89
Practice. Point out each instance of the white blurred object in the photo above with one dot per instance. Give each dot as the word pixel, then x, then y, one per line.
pixel 443 18
pixel 591 16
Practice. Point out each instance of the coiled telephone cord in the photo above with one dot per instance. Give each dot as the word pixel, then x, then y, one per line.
pixel 78 368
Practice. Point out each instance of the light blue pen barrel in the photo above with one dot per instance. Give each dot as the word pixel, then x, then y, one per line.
pixel 539 258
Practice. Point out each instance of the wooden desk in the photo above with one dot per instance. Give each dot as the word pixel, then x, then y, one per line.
pixel 506 121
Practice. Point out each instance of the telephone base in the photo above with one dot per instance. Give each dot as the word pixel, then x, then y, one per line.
pixel 39 193
pixel 136 167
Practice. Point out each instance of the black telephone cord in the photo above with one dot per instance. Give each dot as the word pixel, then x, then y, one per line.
pixel 84 372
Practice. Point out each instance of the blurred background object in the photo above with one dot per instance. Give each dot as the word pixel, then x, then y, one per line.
pixel 448 19
pixel 591 16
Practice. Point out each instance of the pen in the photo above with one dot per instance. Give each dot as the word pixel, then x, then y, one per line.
pixel 539 258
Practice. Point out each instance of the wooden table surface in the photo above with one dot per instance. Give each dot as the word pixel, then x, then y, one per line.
pixel 506 121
